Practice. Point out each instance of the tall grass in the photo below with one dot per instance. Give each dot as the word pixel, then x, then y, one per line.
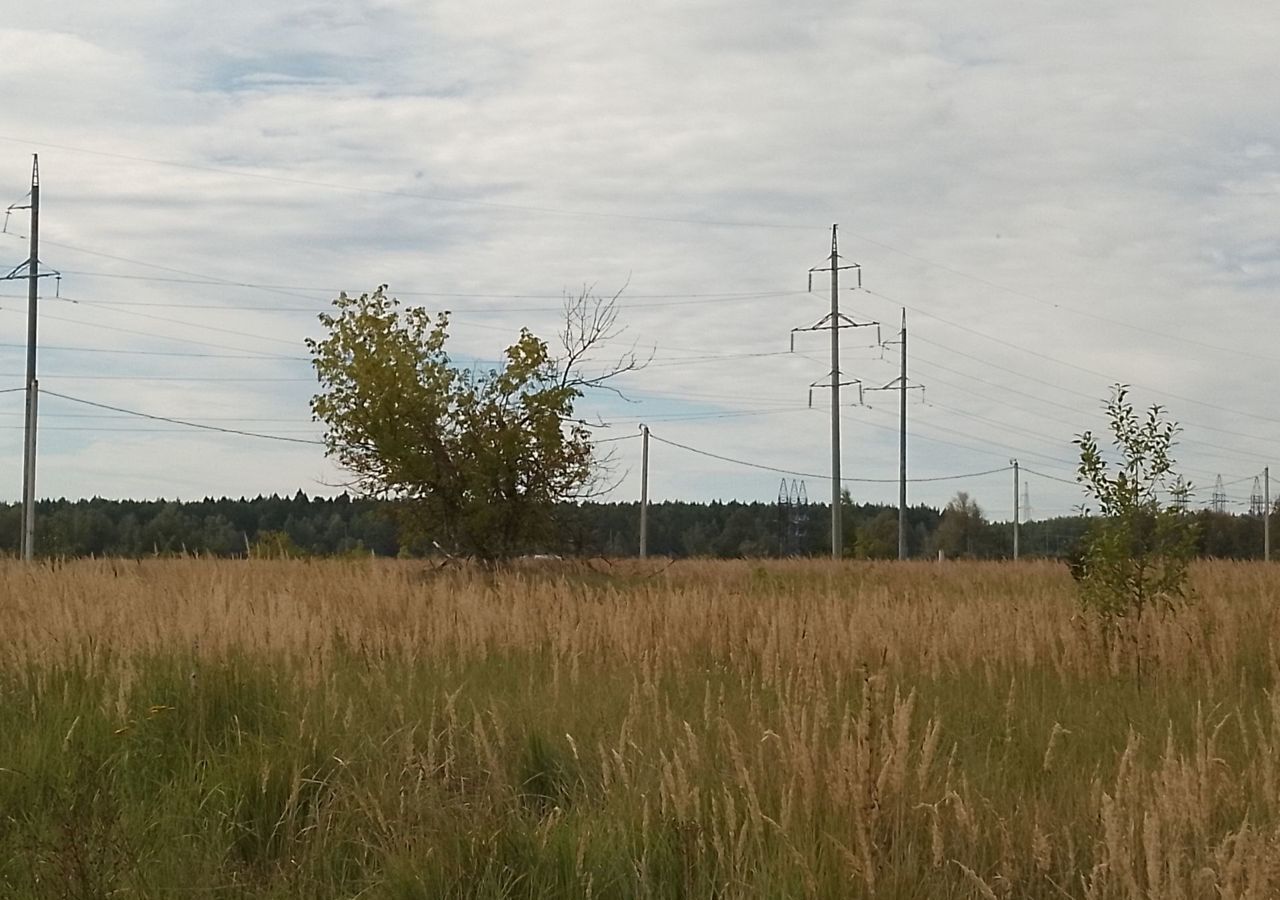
pixel 333 729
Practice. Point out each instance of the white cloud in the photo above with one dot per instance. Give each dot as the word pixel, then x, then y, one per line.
pixel 1035 174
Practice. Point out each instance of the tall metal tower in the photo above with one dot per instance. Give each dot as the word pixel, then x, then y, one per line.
pixel 1218 502
pixel 784 519
pixel 834 322
pixel 901 385
pixel 1181 494
pixel 30 271
pixel 1256 503
pixel 793 517
pixel 799 515
pixel 1026 501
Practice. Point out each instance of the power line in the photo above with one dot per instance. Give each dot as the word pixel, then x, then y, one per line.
pixel 665 363
pixel 633 217
pixel 1058 306
pixel 150 334
pixel 740 414
pixel 169 353
pixel 681 299
pixel 187 323
pixel 1050 477
pixel 678 362
pixel 412 195
pixel 915 435
pixel 1003 449
pixel 110 428
pixel 291 420
pixel 205 426
pixel 1070 365
pixel 767 468
pixel 69 376
pixel 1046 401
pixel 201 425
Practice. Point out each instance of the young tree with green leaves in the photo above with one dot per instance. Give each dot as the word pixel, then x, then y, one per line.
pixel 961 528
pixel 476 460
pixel 1137 552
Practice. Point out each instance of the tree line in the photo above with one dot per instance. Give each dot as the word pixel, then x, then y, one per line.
pixel 300 525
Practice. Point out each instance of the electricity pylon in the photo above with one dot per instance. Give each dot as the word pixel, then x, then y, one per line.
pixel 901 385
pixel 834 322
pixel 30 270
pixel 1218 501
pixel 793 516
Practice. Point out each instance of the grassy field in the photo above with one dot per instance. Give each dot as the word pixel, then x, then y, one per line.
pixel 190 728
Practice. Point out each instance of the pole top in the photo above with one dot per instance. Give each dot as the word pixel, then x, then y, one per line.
pixel 35 170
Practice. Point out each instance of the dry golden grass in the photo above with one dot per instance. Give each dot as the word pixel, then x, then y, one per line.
pixel 709 729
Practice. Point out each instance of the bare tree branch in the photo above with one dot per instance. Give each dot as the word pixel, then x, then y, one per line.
pixel 591 321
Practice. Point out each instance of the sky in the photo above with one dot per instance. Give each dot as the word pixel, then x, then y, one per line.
pixel 1062 197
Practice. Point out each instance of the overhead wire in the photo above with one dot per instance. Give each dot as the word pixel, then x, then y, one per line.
pixel 1110 379
pixel 186 422
pixel 596 214
pixel 187 323
pixel 1049 477
pixel 184 354
pixel 998 448
pixel 688 299
pixel 150 334
pixel 682 361
pixel 768 468
pixel 930 363
pixel 674 362
pixel 252 379
pixel 412 195
pixel 917 436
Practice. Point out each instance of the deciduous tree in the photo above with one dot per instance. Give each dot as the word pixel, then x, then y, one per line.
pixel 476 459
pixel 1137 551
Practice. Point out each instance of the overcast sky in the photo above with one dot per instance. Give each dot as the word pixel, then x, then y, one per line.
pixel 1063 195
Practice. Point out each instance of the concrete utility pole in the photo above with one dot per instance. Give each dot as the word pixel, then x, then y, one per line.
pixel 644 492
pixel 834 321
pixel 33 387
pixel 837 519
pixel 901 385
pixel 1266 514
pixel 902 445
pixel 1014 462
pixel 33 275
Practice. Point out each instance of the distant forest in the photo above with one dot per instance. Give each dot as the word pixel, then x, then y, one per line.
pixel 320 526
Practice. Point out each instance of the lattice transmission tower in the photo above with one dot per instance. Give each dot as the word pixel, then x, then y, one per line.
pixel 793 517
pixel 1218 502
pixel 1181 494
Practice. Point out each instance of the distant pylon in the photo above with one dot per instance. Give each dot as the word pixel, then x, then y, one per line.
pixel 799 516
pixel 1026 502
pixel 1181 494
pixel 784 519
pixel 793 517
pixel 1218 503
pixel 1256 503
